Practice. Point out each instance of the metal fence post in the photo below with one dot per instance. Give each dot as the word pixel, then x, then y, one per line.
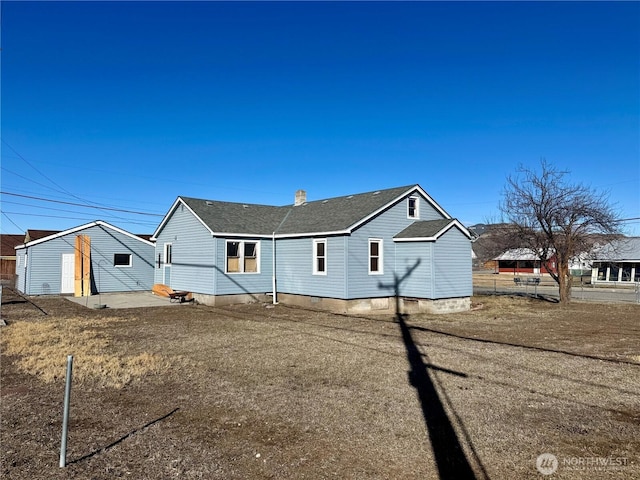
pixel 65 415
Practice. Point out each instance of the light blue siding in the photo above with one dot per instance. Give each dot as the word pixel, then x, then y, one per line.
pixel 199 259
pixel 295 267
pixel 193 254
pixel 360 283
pixel 452 265
pixel 414 266
pixel 21 269
pixel 243 283
pixel 44 275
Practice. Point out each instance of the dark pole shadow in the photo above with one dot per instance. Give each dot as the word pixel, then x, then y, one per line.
pixel 124 437
pixel 24 299
pixel 450 458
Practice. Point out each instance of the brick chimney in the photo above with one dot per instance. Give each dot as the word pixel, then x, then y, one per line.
pixel 301 197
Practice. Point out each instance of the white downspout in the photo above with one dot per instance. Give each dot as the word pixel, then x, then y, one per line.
pixel 273 258
pixel 273 268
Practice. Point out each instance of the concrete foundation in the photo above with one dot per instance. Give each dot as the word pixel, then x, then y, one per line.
pixel 442 305
pixel 221 300
pixel 382 305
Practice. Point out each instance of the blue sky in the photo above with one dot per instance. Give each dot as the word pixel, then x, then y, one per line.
pixel 127 105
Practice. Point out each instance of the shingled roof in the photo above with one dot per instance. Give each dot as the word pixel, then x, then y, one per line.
pixel 622 250
pixel 340 213
pixel 9 242
pixel 426 229
pixel 332 215
pixel 241 218
pixel 32 235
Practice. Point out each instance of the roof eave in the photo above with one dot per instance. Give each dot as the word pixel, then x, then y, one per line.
pixel 416 239
pixel 453 223
pixel 84 227
pixel 171 211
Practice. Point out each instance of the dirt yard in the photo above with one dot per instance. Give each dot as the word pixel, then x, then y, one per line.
pixel 256 392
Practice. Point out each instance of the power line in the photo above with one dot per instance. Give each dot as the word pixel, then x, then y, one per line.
pixel 107 215
pixel 90 219
pixel 82 205
pixel 63 190
pixel 32 166
pixel 625 220
pixel 31 180
pixel 14 223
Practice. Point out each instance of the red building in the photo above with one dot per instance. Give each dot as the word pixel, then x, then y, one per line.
pixel 524 261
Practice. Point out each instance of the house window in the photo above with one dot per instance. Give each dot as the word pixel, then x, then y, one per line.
pixel 319 257
pixel 168 252
pixel 121 259
pixel 375 256
pixel 614 270
pixel 602 272
pixel 242 257
pixel 413 207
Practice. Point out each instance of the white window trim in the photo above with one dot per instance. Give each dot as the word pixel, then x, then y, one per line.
pixel 241 257
pixel 315 256
pixel 380 270
pixel 417 207
pixel 166 263
pixel 123 266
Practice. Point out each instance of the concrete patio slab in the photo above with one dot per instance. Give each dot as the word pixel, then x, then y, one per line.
pixel 124 300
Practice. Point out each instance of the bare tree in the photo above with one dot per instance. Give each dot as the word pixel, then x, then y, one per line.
pixel 551 216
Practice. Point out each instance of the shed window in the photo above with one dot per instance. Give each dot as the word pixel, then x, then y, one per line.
pixel 375 256
pixel 320 257
pixel 242 257
pixel 413 207
pixel 168 253
pixel 121 259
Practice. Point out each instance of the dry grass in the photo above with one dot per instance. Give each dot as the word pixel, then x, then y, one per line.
pixel 257 392
pixel 42 349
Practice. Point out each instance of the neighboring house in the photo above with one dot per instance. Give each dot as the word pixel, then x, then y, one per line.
pixel 8 244
pixel 118 261
pixel 349 254
pixel 32 235
pixel 524 261
pixel 617 261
